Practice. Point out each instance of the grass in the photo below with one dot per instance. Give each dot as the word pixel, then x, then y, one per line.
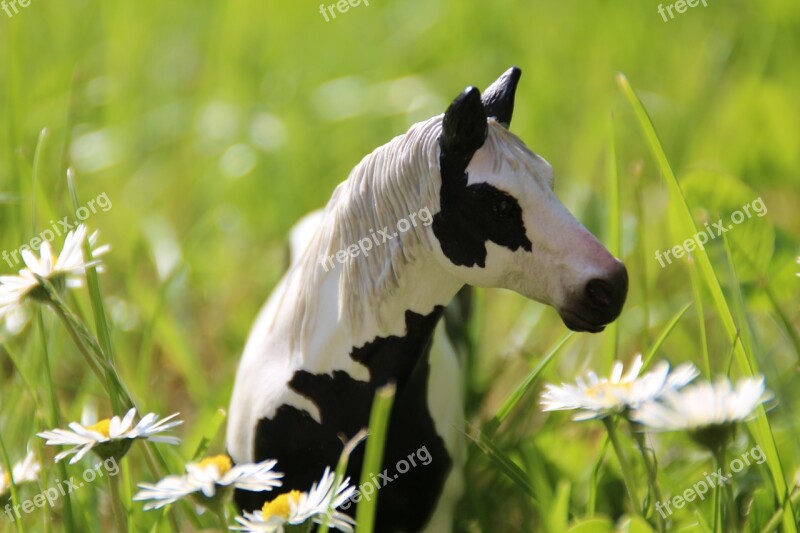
pixel 373 455
pixel 212 127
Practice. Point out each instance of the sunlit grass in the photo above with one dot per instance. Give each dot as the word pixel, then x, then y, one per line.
pixel 214 126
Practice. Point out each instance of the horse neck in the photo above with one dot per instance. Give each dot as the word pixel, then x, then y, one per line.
pixel 329 318
pixel 422 287
pixel 370 294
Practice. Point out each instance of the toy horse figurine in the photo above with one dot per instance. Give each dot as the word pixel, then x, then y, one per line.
pixel 329 337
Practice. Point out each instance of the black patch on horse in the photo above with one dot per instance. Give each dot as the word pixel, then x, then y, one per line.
pixel 303 447
pixel 470 215
pixel 474 214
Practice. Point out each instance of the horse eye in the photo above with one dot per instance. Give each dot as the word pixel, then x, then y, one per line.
pixel 502 208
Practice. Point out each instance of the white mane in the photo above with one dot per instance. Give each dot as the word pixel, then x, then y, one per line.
pixel 396 180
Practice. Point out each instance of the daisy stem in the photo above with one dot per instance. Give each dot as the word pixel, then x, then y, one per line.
pixel 69 520
pixel 90 361
pixel 222 519
pixel 627 473
pixel 129 489
pixel 651 463
pixel 723 516
pixel 86 343
pixel 116 504
pixel 717 510
pixel 719 460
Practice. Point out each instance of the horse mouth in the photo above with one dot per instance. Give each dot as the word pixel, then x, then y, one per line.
pixel 577 323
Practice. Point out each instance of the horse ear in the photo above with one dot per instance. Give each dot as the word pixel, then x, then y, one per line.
pixel 498 100
pixel 464 130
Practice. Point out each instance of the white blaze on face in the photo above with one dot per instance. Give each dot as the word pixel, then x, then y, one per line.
pixel 565 256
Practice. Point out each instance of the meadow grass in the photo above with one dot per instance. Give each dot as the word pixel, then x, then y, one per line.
pixel 212 127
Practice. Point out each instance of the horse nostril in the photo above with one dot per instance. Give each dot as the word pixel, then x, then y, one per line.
pixel 600 293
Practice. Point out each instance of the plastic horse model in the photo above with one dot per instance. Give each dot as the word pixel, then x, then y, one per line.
pixel 328 338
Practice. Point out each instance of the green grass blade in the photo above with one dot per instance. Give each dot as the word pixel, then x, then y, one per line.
pixel 211 430
pixel 491 427
pixel 37 165
pixel 651 353
pixel 644 260
pixel 13 486
pixel 697 294
pixel 557 516
pixel 747 365
pixel 614 241
pixel 69 515
pixel 373 455
pixel 504 463
pixel 594 478
pixel 98 308
pixel 341 467
pixel 69 519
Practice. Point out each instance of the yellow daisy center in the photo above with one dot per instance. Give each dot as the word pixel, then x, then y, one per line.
pixel 281 506
pixel 607 388
pixel 101 427
pixel 221 462
pixel 6 480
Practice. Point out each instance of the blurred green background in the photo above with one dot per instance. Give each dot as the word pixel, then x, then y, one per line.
pixel 213 126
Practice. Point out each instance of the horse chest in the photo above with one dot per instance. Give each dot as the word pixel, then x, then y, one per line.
pixel 409 490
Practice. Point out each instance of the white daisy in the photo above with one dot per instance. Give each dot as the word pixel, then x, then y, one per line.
pixel 209 481
pixel 64 270
pixel 13 291
pixel 598 397
pixel 318 504
pixel 25 471
pixel 705 405
pixel 70 262
pixel 110 437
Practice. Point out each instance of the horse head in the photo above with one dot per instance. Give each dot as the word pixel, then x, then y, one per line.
pixel 500 223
